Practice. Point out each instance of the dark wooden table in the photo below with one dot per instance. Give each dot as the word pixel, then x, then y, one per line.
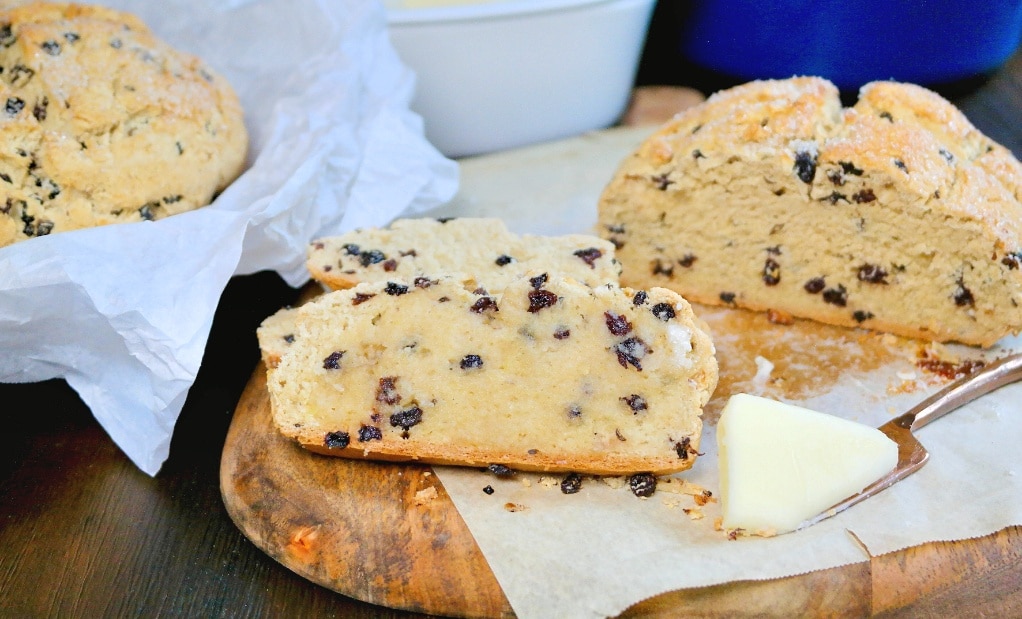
pixel 83 533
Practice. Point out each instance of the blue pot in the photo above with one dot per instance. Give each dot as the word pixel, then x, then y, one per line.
pixel 927 42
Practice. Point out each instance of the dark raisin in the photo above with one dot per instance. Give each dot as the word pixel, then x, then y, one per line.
pixel 571 483
pixel 360 298
pixel 51 47
pixel 369 433
pixel 872 273
pixel 849 168
pixel 683 448
pixel 71 37
pixel 446 299
pixel 562 333
pixel 864 196
pixel 45 227
pixel 615 229
pixel 815 285
pixel 444 220
pixel 333 360
pixel 805 166
pixel 504 260
pixel 406 418
pixel 501 470
pixel 661 181
pixel 835 197
pixel 687 260
pixel 395 289
pixel 390 265
pixel 371 256
pixel 289 338
pixel 589 256
pixel 727 297
pixel 21 75
pixel 617 324
pixel 5 178
pixel 861 316
pixel 574 411
pixel 642 484
pixel 538 281
pixel 771 272
pixel 351 249
pixel 540 299
pixel 386 391
pixel 480 291
pixel 635 402
pixel 659 268
pixel 963 296
pixel 7 37
pixel 488 489
pixel 898 163
pixel 631 351
pixel 337 440
pixel 1012 260
pixel 640 298
pixel 424 282
pixel 39 110
pixel 836 296
pixel 887 116
pixel 13 106
pixel 698 154
pixel 946 154
pixel 836 177
pixel 663 311
pixel 774 251
pixel 469 362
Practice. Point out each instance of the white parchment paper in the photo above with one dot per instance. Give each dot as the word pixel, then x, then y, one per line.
pixel 595 553
pixel 123 312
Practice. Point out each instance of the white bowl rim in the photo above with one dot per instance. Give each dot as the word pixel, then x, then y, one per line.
pixel 487 10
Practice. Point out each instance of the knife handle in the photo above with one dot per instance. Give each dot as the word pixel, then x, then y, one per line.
pixel 964 390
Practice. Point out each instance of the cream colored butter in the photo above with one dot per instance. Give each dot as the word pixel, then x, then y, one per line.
pixel 782 464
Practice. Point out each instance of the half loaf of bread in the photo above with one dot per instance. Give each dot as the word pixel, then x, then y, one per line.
pixel 548 375
pixel 895 214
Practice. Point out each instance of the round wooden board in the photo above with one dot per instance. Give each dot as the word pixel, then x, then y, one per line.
pixel 375 532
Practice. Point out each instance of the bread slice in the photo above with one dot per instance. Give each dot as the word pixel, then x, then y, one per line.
pixel 895 214
pixel 549 375
pixel 479 251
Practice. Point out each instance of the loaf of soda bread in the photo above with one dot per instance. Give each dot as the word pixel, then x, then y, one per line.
pixel 548 375
pixel 895 214
pixel 479 251
pixel 104 123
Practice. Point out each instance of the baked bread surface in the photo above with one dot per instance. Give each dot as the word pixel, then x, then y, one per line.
pixel 895 214
pixel 104 123
pixel 480 251
pixel 549 375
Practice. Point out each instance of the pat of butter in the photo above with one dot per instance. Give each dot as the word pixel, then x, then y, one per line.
pixel 782 464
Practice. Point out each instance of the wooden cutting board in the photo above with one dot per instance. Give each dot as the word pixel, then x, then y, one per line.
pixel 371 531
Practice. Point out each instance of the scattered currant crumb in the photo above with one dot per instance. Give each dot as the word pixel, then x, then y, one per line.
pixel 425 495
pixel 549 482
pixel 514 507
pixel 694 513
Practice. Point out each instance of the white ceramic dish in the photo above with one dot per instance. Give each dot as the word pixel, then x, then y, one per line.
pixel 497 74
